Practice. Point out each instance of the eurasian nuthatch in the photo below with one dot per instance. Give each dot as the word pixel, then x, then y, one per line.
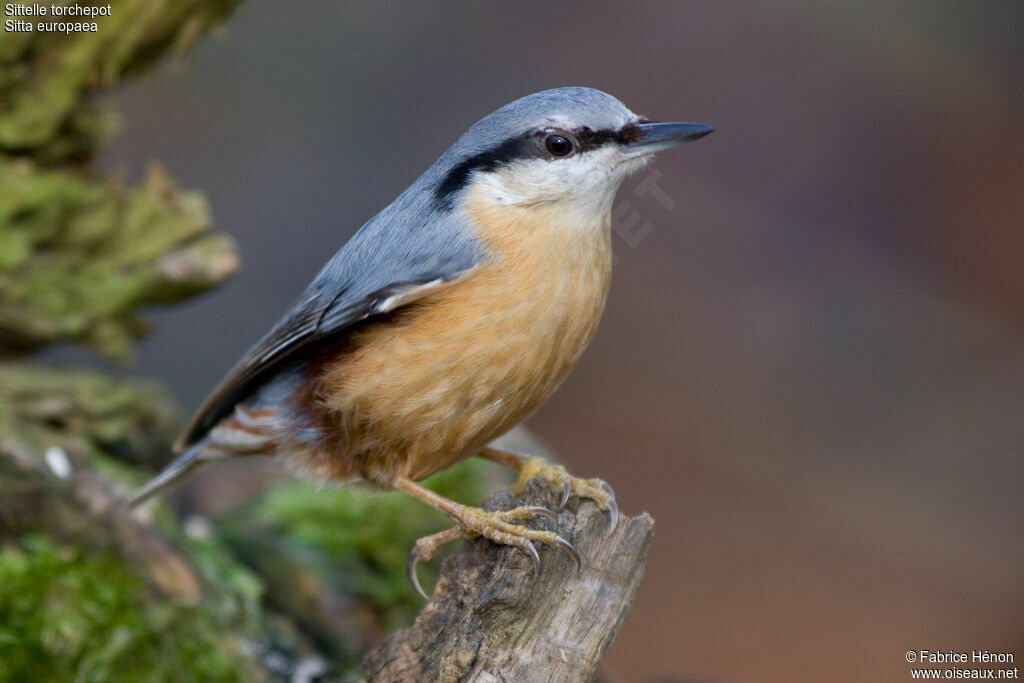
pixel 448 318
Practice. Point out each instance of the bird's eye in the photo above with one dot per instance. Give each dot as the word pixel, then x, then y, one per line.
pixel 558 145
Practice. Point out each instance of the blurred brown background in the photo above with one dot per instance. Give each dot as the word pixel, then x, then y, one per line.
pixel 812 364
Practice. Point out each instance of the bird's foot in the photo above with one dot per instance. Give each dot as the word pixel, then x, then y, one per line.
pixel 498 527
pixel 529 468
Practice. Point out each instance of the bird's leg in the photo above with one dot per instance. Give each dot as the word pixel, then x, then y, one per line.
pixel 495 526
pixel 530 467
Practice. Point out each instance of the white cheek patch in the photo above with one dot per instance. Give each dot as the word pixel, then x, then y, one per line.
pixel 532 181
pixel 580 189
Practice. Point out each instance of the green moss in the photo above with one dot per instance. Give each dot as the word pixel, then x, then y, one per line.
pixel 46 78
pixel 67 616
pixel 79 256
pixel 235 592
pixel 366 536
pixel 87 413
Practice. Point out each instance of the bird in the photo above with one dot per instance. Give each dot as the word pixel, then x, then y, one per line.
pixel 447 319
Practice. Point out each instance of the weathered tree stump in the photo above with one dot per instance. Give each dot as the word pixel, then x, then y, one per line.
pixel 492 619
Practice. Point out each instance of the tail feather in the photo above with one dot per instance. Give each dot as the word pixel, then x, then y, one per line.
pixel 182 466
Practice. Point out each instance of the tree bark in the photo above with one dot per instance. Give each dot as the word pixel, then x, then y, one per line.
pixel 492 619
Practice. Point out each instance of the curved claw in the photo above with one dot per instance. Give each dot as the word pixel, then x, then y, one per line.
pixel 538 511
pixel 532 552
pixel 410 567
pixel 568 547
pixel 565 495
pixel 613 512
pixel 613 507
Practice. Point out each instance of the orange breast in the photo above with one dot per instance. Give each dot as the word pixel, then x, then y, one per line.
pixel 441 378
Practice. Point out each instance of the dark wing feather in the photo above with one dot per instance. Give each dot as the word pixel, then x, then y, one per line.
pixel 315 316
pixel 405 251
pixel 291 333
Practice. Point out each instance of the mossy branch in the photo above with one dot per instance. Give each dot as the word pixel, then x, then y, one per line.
pixel 88 591
pixel 46 78
pixel 80 257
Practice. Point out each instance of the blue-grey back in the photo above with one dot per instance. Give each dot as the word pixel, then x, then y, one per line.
pixel 423 236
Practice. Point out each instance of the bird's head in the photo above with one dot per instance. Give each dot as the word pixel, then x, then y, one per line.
pixel 567 148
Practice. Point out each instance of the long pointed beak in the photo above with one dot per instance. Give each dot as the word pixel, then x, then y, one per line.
pixel 658 136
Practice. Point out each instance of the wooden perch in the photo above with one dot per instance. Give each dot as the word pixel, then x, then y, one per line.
pixel 492 619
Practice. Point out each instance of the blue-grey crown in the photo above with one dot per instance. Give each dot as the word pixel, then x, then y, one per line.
pixel 504 135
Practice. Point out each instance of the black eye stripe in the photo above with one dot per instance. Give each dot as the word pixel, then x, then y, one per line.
pixel 526 146
pixel 521 147
pixel 592 139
